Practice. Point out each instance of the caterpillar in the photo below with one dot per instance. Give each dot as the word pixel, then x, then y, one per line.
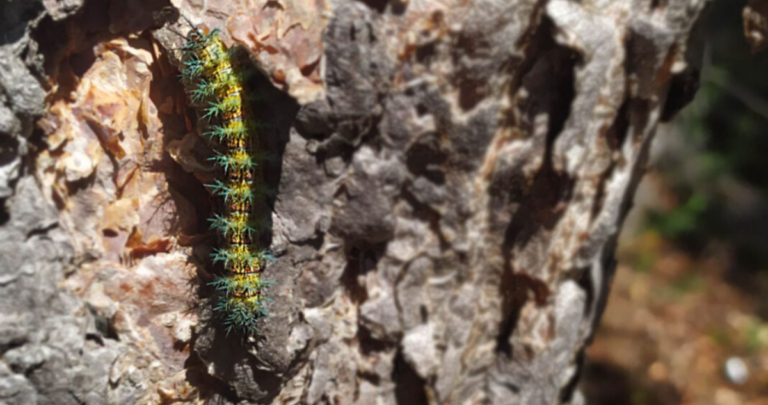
pixel 215 79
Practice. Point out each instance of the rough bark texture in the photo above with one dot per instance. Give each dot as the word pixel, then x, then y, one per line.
pixel 451 179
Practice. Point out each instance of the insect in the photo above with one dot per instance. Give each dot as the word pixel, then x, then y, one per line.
pixel 215 79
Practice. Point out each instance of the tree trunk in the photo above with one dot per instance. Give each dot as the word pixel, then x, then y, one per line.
pixel 450 177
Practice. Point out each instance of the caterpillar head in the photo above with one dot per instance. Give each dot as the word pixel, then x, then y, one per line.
pixel 195 36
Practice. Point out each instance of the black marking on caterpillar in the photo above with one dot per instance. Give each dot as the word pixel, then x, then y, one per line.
pixel 215 79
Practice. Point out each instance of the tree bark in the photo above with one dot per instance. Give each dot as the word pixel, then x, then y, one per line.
pixel 451 178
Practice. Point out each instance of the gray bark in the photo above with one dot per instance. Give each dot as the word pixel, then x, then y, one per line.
pixel 451 180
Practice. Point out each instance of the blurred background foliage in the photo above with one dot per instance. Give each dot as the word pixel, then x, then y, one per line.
pixel 716 163
pixel 687 320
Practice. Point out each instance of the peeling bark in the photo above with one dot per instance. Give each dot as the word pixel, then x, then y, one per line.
pixel 451 180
